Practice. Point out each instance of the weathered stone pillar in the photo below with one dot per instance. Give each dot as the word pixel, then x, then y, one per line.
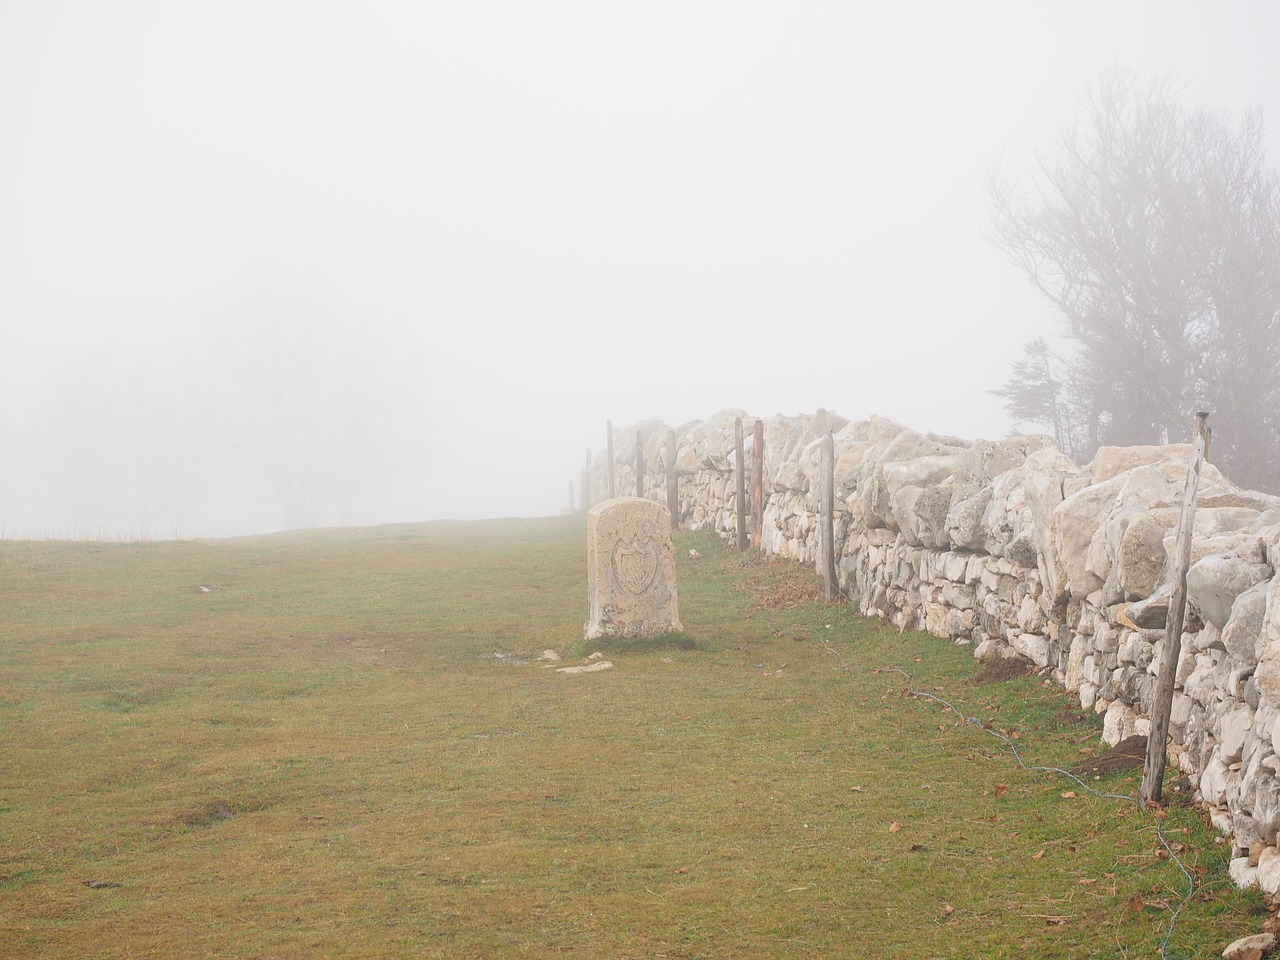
pixel 631 570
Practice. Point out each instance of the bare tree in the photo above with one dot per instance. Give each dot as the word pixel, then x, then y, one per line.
pixel 1155 230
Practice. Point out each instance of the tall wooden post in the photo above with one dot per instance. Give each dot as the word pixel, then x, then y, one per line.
pixel 827 536
pixel 586 482
pixel 1171 650
pixel 1208 442
pixel 639 464
pixel 608 429
pixel 757 482
pixel 673 482
pixel 740 477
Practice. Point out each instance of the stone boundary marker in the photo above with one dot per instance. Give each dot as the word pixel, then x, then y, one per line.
pixel 631 570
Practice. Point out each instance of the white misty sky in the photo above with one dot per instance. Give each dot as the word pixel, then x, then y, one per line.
pixel 545 215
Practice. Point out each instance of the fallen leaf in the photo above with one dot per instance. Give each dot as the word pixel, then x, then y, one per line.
pixel 1086 881
pixel 1135 903
pixel 681 870
pixel 948 909
pixel 1068 794
pixel 1001 789
pixel 1157 904
pixel 895 827
pixel 856 789
pixel 1086 750
pixel 1037 856
pixel 916 847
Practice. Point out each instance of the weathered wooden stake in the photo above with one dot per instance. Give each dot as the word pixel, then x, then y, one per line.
pixel 827 537
pixel 1153 768
pixel 740 478
pixel 639 464
pixel 757 482
pixel 608 429
pixel 673 482
pixel 1208 441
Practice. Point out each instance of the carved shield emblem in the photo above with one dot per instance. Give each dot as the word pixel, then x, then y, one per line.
pixel 635 563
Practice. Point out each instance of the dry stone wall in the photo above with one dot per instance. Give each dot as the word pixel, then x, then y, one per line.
pixel 1009 547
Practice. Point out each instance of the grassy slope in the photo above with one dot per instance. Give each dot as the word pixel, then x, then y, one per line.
pixel 323 758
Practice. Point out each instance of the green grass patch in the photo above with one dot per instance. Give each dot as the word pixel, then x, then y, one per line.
pixel 346 748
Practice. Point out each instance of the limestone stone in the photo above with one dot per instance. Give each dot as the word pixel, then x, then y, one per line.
pixel 1151 612
pixel 909 459
pixel 1243 874
pixel 1075 522
pixel 1254 947
pixel 1075 677
pixel 965 526
pixel 1268 674
pixel 1213 782
pixel 1244 626
pixel 1233 727
pixel 1110 461
pixel 1140 558
pixel 1269 871
pixel 1118 724
pixel 1214 583
pixel 1034 648
pixel 631 573
pixel 594 667
pixel 1180 710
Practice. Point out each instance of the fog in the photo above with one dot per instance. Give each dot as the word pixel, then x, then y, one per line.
pixel 273 265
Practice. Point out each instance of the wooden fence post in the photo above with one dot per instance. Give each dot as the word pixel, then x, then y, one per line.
pixel 639 464
pixel 673 482
pixel 608 429
pixel 740 480
pixel 827 530
pixel 757 482
pixel 1171 650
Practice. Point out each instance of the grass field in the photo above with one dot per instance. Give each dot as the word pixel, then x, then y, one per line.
pixel 345 749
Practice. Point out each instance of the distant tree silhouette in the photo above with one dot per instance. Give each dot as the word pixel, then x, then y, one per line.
pixel 308 408
pixel 1155 230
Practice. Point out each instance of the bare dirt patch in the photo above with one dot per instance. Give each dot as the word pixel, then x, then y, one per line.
pixel 1001 669
pixel 1128 754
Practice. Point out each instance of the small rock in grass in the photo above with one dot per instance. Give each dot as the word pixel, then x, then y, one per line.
pixel 587 667
pixel 1251 948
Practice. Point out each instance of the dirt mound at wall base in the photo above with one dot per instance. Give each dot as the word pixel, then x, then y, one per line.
pixel 1128 754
